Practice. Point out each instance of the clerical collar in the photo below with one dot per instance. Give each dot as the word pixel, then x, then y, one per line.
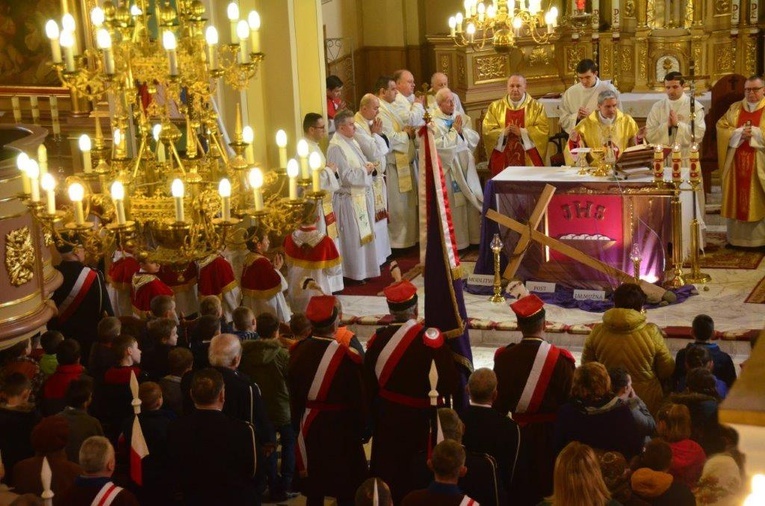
pixel 597 82
pixel 751 106
pixel 480 404
pixel 607 121
pixel 516 104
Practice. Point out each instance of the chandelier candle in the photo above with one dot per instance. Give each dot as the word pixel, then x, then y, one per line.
pixel 253 19
pixel 233 16
pixel 170 44
pixel 256 182
pixel 85 147
pixel 211 35
pixel 22 162
pixel 243 32
pixel 224 189
pixel 302 151
pixel 48 185
pixel 42 159
pixel 281 141
pixel 248 136
pixel 118 196
pixel 33 171
pixel 178 191
pixel 76 194
pixel 53 33
pixel 315 162
pixel 292 173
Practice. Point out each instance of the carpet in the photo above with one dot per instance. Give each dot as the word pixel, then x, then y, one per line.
pixel 718 256
pixel 758 294
pixel 407 259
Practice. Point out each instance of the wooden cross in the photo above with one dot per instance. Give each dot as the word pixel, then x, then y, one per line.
pixel 653 292
pixel 523 242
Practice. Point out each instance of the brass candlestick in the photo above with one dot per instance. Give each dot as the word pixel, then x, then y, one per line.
pixel 675 280
pixel 496 248
pixel 695 276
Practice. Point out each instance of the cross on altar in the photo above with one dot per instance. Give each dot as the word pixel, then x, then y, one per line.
pixel 529 232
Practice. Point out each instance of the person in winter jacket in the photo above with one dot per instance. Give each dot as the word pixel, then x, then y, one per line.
pixel 652 481
pixel 673 424
pixel 625 339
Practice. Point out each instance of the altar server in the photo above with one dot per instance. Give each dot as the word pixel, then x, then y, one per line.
pixel 581 99
pixel 669 121
pixel 515 129
pixel 354 204
pixel 455 141
pixel 262 282
pixel 216 277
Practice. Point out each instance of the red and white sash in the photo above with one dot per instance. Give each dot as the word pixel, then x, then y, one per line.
pixel 466 501
pixel 106 495
pixel 322 380
pixel 80 289
pixel 394 350
pixel 539 378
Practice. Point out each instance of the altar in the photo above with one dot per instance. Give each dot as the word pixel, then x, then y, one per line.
pixel 605 218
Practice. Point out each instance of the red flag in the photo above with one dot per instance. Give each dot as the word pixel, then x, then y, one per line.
pixel 138 450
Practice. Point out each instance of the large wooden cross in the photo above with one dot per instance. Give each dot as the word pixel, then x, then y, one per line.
pixel 529 232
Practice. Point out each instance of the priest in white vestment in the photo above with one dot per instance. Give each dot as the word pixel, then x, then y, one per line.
pixel 455 141
pixel 354 204
pixel 369 135
pixel 314 130
pixel 581 99
pixel 403 220
pixel 438 81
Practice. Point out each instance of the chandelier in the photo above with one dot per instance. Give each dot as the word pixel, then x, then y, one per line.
pixel 502 22
pixel 176 205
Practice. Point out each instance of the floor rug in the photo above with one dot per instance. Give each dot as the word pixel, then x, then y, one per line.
pixel 407 259
pixel 717 256
pixel 758 294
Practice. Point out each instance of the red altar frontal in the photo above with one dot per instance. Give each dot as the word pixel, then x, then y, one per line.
pixel 604 218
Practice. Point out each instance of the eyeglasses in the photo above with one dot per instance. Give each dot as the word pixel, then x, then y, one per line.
pixel 753 90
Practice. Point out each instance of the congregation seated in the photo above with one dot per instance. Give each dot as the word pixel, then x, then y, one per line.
pixel 596 417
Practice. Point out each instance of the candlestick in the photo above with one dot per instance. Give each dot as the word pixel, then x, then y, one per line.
pixel 178 191
pixel 67 42
pixel 281 141
pixel 695 174
pixel 48 184
pixel 35 109
pixel 54 115
pixel 256 182
pixel 42 159
pixel 248 136
pixel 243 32
pixel 211 35
pixel 76 194
pixel 452 26
pixel 68 24
pixel 315 162
pixel 302 151
pixel 53 33
pixel 118 196
pixel 16 109
pixel 233 16
pixel 224 189
pixel 33 171
pixel 253 19
pixel 85 146
pixel 658 163
pixel 292 173
pixel 676 162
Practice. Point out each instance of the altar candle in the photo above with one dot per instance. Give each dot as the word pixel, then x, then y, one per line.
pixel 35 109
pixel 315 162
pixel 595 14
pixel 676 162
pixel 53 33
pixel 754 12
pixel 49 185
pixel 253 20
pixel 76 194
pixel 695 174
pixel 42 159
pixel 118 196
pixel 256 181
pixel 243 32
pixel 224 189
pixel 658 163
pixel 232 11
pixel 16 109
pixel 178 191
pixel 85 146
pixel 281 141
pixel 616 16
pixel 292 173
pixel 302 151
pixel 54 115
pixel 735 13
pixel 33 171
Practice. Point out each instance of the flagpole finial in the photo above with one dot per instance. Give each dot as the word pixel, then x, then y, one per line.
pixel 136 403
pixel 433 378
pixel 46 476
pixel 375 495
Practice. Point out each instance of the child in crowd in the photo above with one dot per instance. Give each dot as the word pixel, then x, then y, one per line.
pixel 17 419
pixel 79 395
pixel 245 325
pixel 17 359
pixel 69 369
pixel 180 361
pixel 207 327
pixel 162 338
pixel 102 352
pixel 673 424
pixel 49 342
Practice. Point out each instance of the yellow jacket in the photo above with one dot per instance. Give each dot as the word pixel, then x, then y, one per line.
pixel 625 339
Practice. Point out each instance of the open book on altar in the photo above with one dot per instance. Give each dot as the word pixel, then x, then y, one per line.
pixel 636 160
